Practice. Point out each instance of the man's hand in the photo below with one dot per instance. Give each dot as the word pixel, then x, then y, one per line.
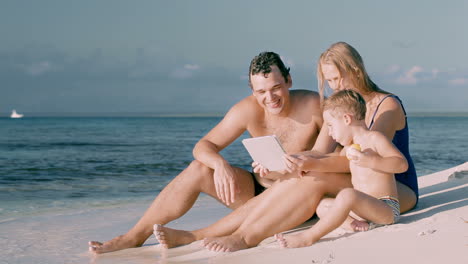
pixel 225 183
pixel 258 168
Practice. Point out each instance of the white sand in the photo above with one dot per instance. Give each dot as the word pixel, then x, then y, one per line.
pixel 434 232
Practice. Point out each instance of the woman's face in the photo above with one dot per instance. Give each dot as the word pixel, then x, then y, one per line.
pixel 336 81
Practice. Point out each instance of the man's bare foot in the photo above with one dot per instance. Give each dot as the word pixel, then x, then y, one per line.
pixel 225 244
pixel 117 243
pixel 170 238
pixel 359 226
pixel 294 240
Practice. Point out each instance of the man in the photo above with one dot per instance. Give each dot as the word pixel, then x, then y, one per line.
pixel 272 109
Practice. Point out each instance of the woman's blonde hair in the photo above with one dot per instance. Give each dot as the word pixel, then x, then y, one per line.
pixel 349 63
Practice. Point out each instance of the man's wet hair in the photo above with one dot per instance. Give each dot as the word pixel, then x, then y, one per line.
pixel 262 64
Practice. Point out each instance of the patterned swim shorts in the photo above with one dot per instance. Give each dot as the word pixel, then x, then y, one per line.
pixel 394 204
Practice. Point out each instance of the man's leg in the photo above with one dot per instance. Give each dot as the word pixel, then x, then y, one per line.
pixel 170 238
pixel 284 206
pixel 173 202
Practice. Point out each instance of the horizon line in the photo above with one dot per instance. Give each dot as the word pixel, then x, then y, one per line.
pixel 184 114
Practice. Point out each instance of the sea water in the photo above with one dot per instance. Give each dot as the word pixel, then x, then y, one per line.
pixel 57 163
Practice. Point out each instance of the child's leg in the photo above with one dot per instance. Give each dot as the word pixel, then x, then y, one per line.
pixel 363 205
pixel 352 222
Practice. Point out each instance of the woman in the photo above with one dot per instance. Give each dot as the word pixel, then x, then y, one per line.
pixel 342 67
pixel 292 201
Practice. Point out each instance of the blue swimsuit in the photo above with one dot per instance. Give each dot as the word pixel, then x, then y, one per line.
pixel 401 141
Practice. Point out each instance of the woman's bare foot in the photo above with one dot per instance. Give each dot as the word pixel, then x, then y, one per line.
pixel 294 240
pixel 359 226
pixel 170 238
pixel 117 243
pixel 225 244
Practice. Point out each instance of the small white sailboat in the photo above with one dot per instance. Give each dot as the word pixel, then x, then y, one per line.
pixel 14 114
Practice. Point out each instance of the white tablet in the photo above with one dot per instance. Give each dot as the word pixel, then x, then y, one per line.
pixel 267 151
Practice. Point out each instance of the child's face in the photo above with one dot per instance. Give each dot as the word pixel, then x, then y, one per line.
pixel 337 127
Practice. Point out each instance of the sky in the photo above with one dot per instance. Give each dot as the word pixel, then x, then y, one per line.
pixel 191 57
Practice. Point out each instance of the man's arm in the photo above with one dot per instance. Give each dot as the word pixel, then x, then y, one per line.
pixel 207 151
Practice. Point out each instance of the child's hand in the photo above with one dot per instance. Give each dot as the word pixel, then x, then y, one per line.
pixel 258 168
pixel 353 153
pixel 362 159
pixel 295 163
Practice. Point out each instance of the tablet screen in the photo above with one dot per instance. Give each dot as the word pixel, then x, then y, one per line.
pixel 267 151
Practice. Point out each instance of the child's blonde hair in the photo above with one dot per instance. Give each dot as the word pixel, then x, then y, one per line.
pixel 346 102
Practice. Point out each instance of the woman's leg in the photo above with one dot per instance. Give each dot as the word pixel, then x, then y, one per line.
pixel 406 196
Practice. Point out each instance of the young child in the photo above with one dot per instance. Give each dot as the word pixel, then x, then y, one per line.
pixel 373 162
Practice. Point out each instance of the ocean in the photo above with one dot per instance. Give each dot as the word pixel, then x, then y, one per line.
pixel 60 163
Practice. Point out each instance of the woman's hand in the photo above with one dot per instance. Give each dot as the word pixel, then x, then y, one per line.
pixel 296 162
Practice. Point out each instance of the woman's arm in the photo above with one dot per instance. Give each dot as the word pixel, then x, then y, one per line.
pixel 324 156
pixel 389 118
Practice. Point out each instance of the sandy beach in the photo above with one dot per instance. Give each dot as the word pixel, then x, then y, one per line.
pixel 434 232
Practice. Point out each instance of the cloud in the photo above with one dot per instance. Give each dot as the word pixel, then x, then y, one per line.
pixel 185 72
pixel 96 82
pixel 414 75
pixel 192 67
pixel 392 69
pixel 418 75
pixel 60 82
pixel 435 73
pixel 403 44
pixel 38 68
pixel 458 81
pixel 410 76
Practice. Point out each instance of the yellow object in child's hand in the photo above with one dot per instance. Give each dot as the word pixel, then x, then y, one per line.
pixel 354 146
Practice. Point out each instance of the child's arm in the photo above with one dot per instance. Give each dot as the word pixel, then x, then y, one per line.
pixel 386 157
pixel 313 161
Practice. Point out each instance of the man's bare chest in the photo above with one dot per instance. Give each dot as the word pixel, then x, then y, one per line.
pixel 293 135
